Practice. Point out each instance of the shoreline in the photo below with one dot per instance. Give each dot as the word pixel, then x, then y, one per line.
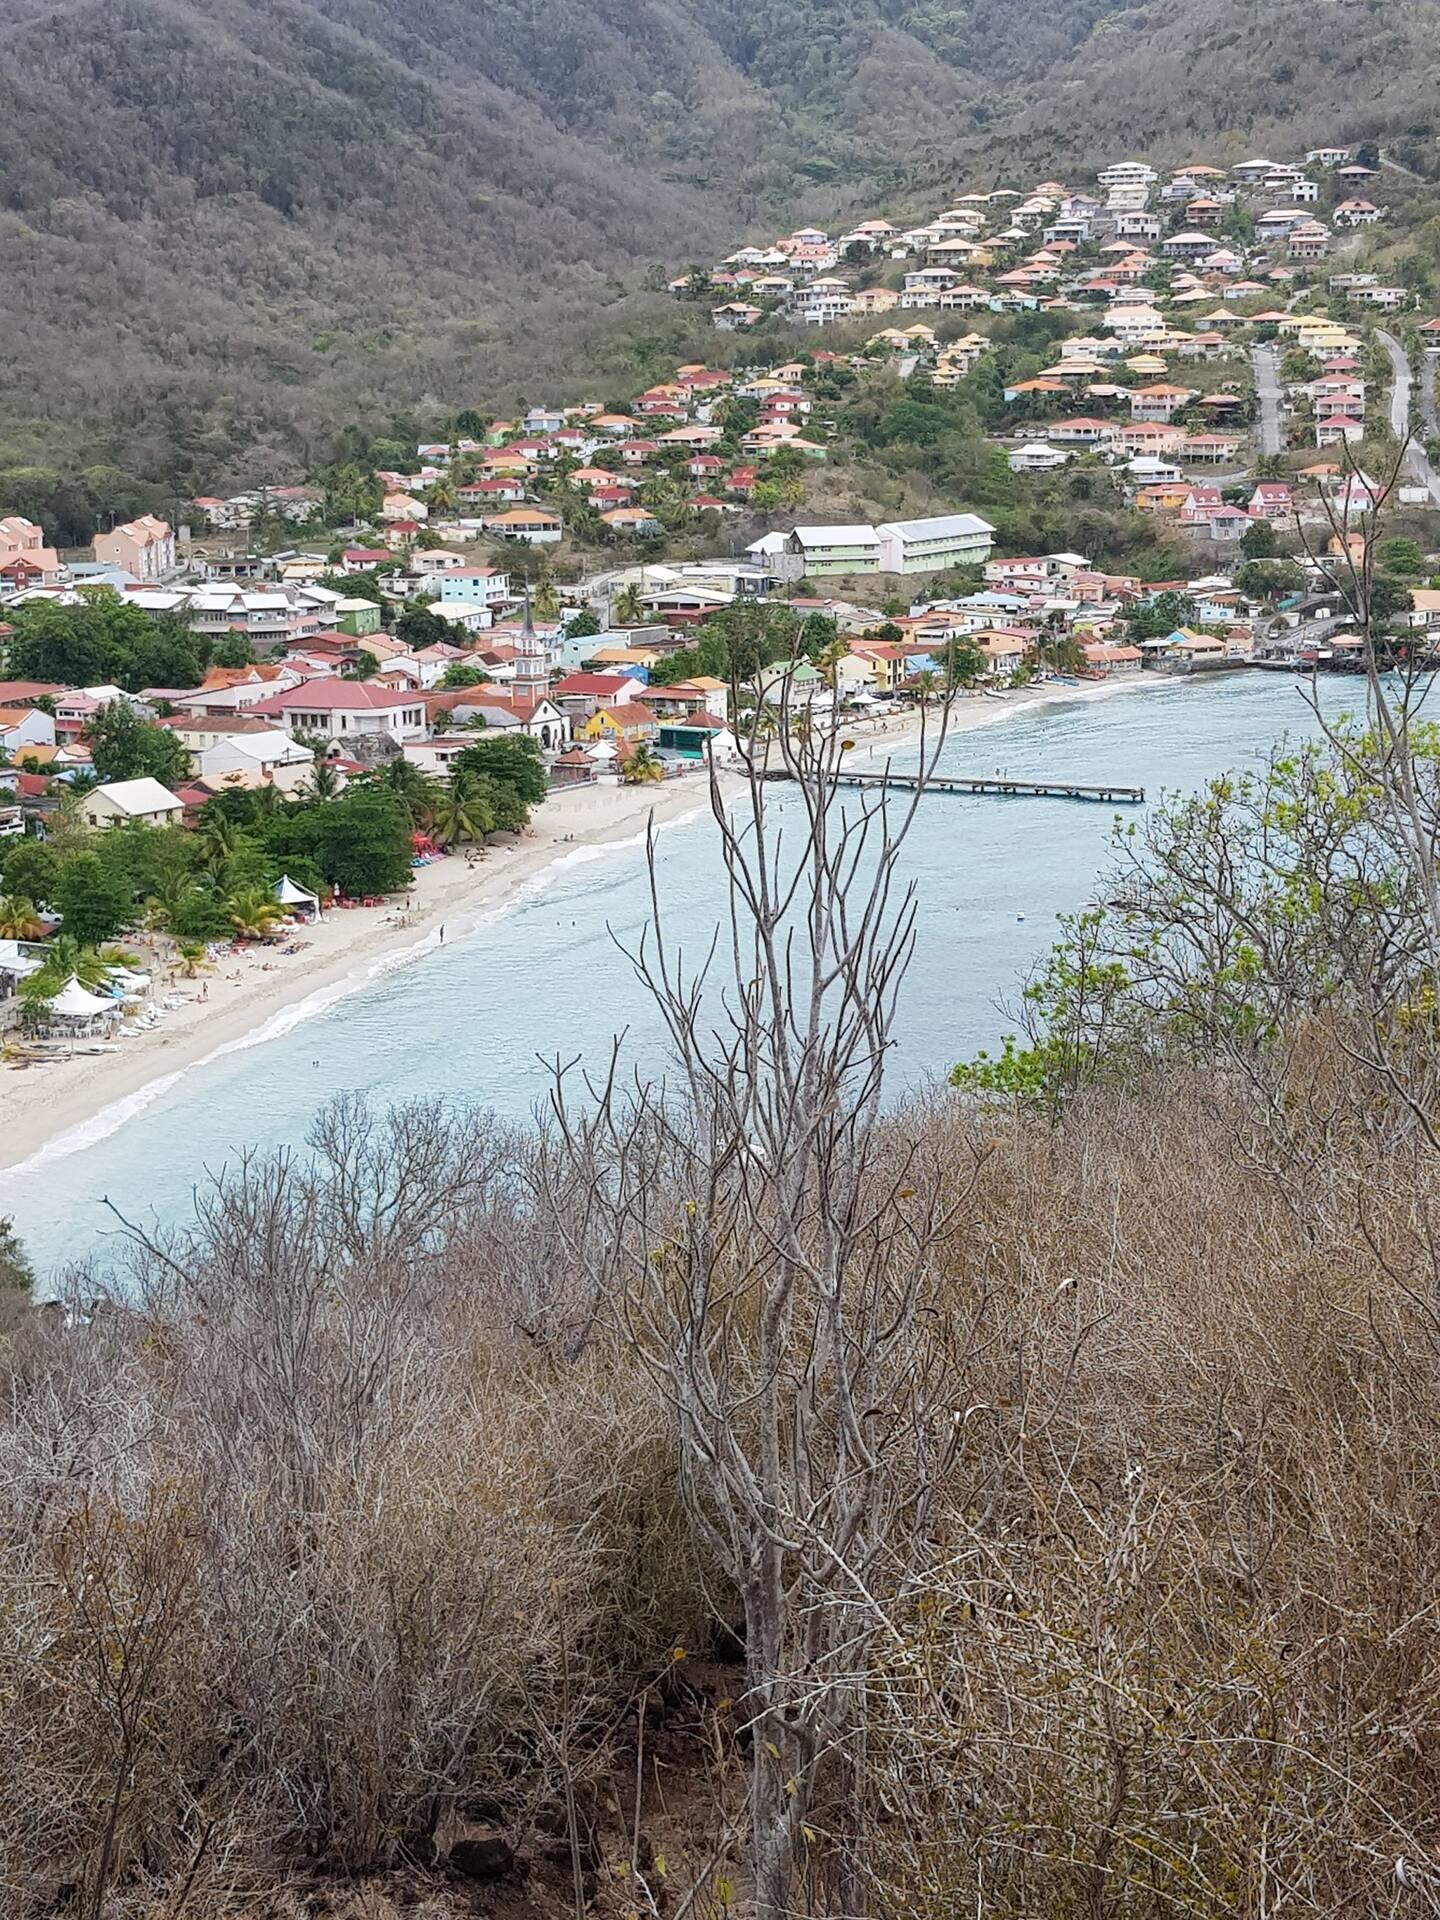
pixel 59 1107
pixel 62 1107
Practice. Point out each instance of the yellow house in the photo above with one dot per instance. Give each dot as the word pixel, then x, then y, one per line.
pixel 625 720
pixel 1165 496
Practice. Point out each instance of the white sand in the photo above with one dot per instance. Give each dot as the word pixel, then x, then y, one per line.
pixel 40 1102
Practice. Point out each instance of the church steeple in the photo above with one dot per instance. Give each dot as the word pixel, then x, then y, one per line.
pixel 532 665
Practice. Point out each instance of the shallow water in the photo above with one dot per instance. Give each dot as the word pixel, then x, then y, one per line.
pixel 473 1020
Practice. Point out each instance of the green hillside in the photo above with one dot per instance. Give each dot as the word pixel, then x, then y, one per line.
pixel 227 232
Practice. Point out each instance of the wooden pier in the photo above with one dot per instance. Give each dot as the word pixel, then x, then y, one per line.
pixel 996 786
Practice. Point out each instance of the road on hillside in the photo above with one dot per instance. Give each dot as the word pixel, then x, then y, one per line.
pixel 1416 457
pixel 1394 166
pixel 1266 363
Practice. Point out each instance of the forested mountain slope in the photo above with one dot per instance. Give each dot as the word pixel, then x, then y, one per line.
pixel 226 231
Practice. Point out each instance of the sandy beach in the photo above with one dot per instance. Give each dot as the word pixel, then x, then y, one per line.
pixel 223 1008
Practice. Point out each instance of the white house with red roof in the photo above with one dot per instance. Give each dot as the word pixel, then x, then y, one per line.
pixel 341 712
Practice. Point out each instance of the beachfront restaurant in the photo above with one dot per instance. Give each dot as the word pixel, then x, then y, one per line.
pixel 297 900
pixel 75 1011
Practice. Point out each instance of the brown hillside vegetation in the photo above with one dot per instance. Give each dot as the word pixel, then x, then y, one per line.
pixel 238 228
pixel 323 1561
pixel 745 1499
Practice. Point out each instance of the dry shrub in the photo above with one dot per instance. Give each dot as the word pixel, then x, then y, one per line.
pixel 1175 1652
pixel 307 1552
pixel 335 1531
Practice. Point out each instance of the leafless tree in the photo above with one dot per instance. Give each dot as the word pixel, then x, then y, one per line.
pixel 1397 678
pixel 769 1243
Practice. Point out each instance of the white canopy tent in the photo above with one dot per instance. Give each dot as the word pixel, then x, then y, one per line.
pixel 73 1003
pixel 130 983
pixel 297 899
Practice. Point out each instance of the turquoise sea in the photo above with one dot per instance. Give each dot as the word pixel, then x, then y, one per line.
pixel 474 1019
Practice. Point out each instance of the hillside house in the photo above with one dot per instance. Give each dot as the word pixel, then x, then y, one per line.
pixel 1190 245
pixel 144 547
pixel 1272 500
pixel 23 729
pixel 1084 431
pixel 1329 401
pixel 536 526
pixel 1138 226
pixel 635 523
pixel 263 755
pixel 494 490
pixel 1386 299
pixel 735 316
pixel 1357 213
pixel 1159 403
pixel 1339 430
pixel 1036 458
pixel 403 506
pixel 1310 241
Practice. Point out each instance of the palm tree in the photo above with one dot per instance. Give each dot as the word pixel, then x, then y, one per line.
pixel 629 607
pixel 166 905
pixel 66 959
pixel 414 790
pixel 462 813
pixel 19 920
pixel 219 843
pixel 191 955
pixel 659 491
pixel 545 600
pixel 324 782
pixel 642 767
pixel 253 912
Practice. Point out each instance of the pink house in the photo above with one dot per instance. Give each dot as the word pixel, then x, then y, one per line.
pixel 1271 500
pixel 21 541
pixel 143 547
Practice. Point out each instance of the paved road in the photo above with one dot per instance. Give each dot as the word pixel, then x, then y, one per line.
pixel 1416 458
pixel 1394 166
pixel 1266 363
